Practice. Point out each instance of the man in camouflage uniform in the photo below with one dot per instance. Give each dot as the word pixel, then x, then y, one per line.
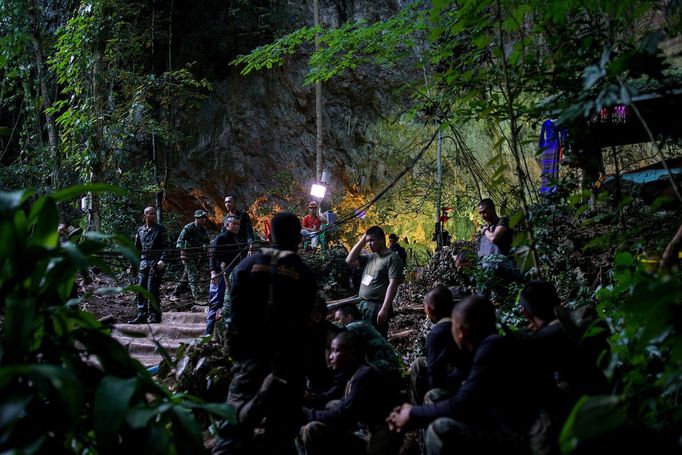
pixel 192 241
pixel 152 243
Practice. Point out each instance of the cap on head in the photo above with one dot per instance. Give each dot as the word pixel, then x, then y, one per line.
pixel 200 214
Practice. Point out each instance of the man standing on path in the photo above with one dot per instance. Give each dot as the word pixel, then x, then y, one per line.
pixel 192 241
pixel 152 243
pixel 246 235
pixel 382 274
pixel 273 293
pixel 224 257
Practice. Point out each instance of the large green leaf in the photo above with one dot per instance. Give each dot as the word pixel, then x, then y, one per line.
pixel 58 385
pixel 224 411
pixel 76 256
pixel 12 201
pixel 112 402
pixel 186 431
pixel 77 190
pixel 11 410
pixel 591 417
pixel 657 313
pixel 44 219
pixel 19 320
pixel 140 416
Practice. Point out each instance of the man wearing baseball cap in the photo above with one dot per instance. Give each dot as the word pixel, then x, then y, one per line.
pixel 192 242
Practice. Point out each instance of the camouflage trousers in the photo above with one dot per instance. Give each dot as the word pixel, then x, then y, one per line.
pixel 369 310
pixel 192 273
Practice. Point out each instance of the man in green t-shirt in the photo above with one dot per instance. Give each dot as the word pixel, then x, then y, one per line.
pixel 382 274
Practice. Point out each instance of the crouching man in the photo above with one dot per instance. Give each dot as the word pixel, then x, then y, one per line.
pixel 356 423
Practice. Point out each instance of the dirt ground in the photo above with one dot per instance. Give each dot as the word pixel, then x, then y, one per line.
pixel 407 329
pixel 114 307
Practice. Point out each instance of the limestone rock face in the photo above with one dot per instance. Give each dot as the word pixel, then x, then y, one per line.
pixel 255 135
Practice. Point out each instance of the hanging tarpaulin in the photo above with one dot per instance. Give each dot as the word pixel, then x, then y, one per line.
pixel 552 143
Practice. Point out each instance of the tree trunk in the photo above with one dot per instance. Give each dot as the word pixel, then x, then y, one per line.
pixel 97 169
pixel 52 134
pixel 510 97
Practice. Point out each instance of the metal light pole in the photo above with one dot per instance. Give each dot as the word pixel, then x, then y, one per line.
pixel 318 100
pixel 439 238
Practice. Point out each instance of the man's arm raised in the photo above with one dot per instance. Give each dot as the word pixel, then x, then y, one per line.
pixel 352 258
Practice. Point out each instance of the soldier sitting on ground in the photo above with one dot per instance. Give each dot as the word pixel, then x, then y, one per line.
pixel 319 376
pixel 496 406
pixel 379 352
pixel 367 401
pixel 445 366
pixel 558 353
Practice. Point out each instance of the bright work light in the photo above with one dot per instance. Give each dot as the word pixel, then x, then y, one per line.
pixel 318 190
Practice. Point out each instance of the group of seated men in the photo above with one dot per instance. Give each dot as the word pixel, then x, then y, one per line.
pixel 301 383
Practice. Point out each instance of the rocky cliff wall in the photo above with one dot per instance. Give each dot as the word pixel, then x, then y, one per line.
pixel 255 135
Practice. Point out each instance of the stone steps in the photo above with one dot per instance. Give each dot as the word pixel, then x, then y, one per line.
pixel 174 329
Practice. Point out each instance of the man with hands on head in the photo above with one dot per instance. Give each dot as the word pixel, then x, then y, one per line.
pixel 382 274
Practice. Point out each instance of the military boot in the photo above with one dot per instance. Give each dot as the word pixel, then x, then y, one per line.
pixel 141 318
pixel 154 318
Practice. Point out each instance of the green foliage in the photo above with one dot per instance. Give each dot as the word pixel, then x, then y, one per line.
pixel 590 418
pixel 333 274
pixel 273 54
pixel 23 148
pixel 496 275
pixel 121 213
pixel 93 36
pixel 643 311
pixel 65 384
pixel 345 48
pixel 27 170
